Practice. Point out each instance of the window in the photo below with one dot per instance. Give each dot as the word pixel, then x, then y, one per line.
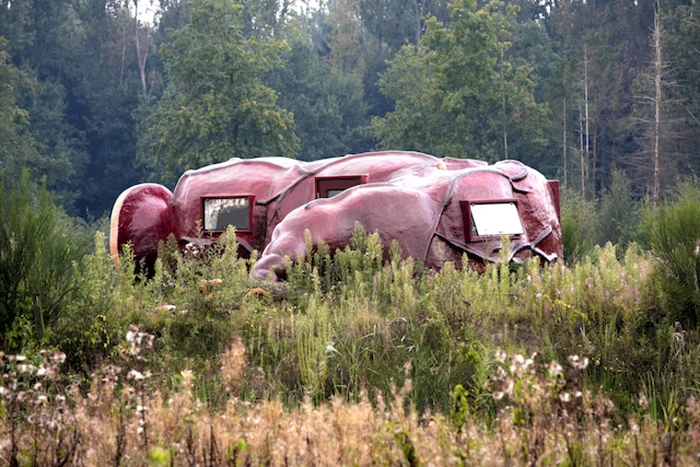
pixel 490 219
pixel 219 213
pixel 328 187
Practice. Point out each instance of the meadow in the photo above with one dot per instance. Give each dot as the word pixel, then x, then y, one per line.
pixel 364 359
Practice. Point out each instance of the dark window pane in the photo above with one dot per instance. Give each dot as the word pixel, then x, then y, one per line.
pixel 220 213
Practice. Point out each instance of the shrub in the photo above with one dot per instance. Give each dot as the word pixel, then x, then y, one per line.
pixel 673 232
pixel 37 252
pixel 578 225
pixel 618 213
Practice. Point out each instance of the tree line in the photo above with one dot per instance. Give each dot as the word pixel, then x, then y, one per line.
pixel 94 98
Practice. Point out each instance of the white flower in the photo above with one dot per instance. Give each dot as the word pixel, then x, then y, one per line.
pixel 554 368
pixel 577 362
pixel 24 368
pixel 500 355
pixel 135 375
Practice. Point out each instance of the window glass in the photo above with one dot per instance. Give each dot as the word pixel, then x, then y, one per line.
pixel 496 219
pixel 222 212
pixel 328 187
pixel 331 192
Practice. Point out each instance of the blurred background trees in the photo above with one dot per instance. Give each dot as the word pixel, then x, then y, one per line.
pixel 96 97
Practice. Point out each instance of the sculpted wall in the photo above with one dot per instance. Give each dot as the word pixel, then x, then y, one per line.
pixel 437 209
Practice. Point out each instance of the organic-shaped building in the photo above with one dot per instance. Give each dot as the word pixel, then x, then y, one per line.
pixel 436 209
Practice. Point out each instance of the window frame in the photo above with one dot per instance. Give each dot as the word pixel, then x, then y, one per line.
pixel 251 204
pixel 339 182
pixel 465 207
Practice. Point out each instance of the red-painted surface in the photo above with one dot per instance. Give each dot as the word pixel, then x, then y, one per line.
pixel 142 216
pixel 411 197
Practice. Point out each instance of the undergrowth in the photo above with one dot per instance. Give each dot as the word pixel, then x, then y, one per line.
pixel 199 364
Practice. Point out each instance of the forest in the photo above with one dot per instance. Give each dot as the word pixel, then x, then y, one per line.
pixel 360 356
pixel 97 97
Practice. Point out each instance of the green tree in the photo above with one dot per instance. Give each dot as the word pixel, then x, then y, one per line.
pixel 458 94
pixel 215 105
pixel 330 113
pixel 18 146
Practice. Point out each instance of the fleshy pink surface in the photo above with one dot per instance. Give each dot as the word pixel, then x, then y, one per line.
pixel 410 197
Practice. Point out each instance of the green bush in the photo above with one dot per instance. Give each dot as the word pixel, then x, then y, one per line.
pixel 618 213
pixel 673 232
pixel 579 225
pixel 37 251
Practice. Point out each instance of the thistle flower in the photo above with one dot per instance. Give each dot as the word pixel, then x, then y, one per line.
pixel 136 375
pixel 139 340
pixel 500 356
pixel 554 369
pixel 580 363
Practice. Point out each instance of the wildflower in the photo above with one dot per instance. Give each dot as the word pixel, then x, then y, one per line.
pixel 634 429
pixel 517 364
pixel 57 358
pixel 564 396
pixel 499 374
pixel 580 363
pixel 500 355
pixel 139 340
pixel 643 400
pixel 26 369
pixel 529 365
pixel 136 376
pixel 554 368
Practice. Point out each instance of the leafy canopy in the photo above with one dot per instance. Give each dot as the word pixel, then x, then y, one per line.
pixel 457 90
pixel 215 105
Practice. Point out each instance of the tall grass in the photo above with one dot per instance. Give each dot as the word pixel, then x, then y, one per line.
pixel 352 322
pixel 308 370
pixel 545 414
pixel 37 251
pixel 673 232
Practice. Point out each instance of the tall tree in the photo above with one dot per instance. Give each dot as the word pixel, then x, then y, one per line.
pixel 457 94
pixel 327 102
pixel 18 147
pixel 215 105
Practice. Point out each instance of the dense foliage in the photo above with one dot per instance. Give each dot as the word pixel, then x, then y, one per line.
pixel 197 364
pixel 96 96
pixel 350 327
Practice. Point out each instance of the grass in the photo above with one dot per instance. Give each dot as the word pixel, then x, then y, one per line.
pixel 359 359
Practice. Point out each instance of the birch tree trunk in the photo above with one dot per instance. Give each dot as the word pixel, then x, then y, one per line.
pixel 587 140
pixel 581 151
pixel 658 71
pixel 141 55
pixel 503 103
